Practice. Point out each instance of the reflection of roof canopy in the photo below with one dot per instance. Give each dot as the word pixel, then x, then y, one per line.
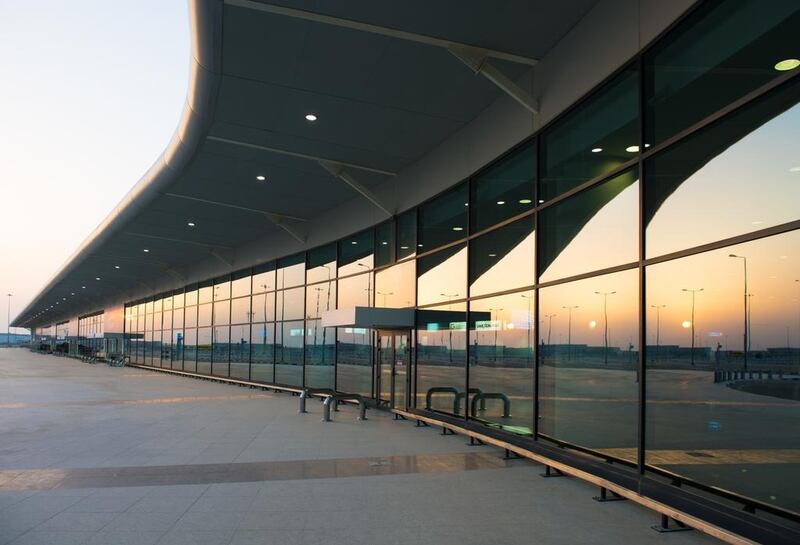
pixel 388 83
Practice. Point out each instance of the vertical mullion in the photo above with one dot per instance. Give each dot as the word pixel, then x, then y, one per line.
pixel 641 364
pixel 535 317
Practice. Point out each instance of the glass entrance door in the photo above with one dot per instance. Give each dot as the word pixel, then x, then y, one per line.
pixel 394 357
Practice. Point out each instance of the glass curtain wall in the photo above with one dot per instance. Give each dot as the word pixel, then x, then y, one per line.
pixel 635 261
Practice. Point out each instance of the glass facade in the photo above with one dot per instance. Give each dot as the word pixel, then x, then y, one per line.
pixel 625 282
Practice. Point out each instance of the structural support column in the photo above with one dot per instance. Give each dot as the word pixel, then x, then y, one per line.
pixel 339 171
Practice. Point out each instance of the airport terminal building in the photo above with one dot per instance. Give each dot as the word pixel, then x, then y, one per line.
pixel 571 228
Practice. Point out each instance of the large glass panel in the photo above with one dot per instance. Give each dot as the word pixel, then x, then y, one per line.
pixel 722 360
pixel 354 360
pixel 356 253
pixel 264 278
pixel 168 302
pixel 204 314
pixel 205 294
pixel 222 312
pixel 320 355
pixel 191 296
pixel 505 189
pixel 240 310
pixel 596 137
pixel 263 353
pixel 355 291
pixel 727 50
pixel 592 230
pixel 204 340
pixel 501 361
pixel 240 285
pixel 177 349
pixel 263 307
pixel 321 264
pixel 221 351
pixel 222 288
pixel 190 350
pixel 503 259
pixel 384 243
pixel 407 234
pixel 292 271
pixel 289 353
pixel 177 318
pixel 588 362
pixel 441 357
pixel 320 298
pixel 739 175
pixel 290 304
pixel 167 319
pixel 178 300
pixel 442 276
pixel 240 351
pixel 191 317
pixel 395 287
pixel 444 219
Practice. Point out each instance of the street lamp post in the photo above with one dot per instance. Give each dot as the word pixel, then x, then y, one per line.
pixel 693 292
pixel 384 293
pixel 605 295
pixel 450 296
pixel 750 321
pixel 797 281
pixel 496 326
pixel 8 324
pixel 569 330
pixel 530 325
pixel 744 260
pixel 658 329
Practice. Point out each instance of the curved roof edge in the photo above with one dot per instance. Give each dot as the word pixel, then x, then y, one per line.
pixel 205 27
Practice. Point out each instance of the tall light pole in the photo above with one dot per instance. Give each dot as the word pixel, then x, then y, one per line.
pixel 450 296
pixel 8 324
pixel 744 260
pixel 693 292
pixel 496 326
pixel 658 329
pixel 750 321
pixel 529 298
pixel 569 329
pixel 549 326
pixel 605 295
pixel 797 281
pixel 369 283
pixel 384 293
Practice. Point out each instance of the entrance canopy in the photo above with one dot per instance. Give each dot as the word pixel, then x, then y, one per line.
pixel 370 318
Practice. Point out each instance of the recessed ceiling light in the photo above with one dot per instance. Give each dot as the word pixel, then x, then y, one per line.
pixel 73 293
pixel 787 64
pixel 311 117
pixel 492 255
pixel 404 247
pixel 501 202
pixel 83 287
pixel 597 150
pixel 525 201
pixel 541 201
pixel 116 266
pixel 191 224
pixel 97 278
pixel 419 245
pixel 261 178
pixel 632 149
pixel 466 204
pixel 353 242
pixel 384 243
pixel 63 298
pixel 146 250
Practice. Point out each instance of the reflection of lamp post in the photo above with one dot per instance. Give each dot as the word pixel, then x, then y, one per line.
pixel 8 324
pixel 384 293
pixel 798 319
pixel 327 308
pixel 569 329
pixel 495 326
pixel 605 295
pixel 744 260
pixel 549 326
pixel 693 292
pixel 450 296
pixel 529 298
pixel 658 329
pixel 369 284
pixel 750 321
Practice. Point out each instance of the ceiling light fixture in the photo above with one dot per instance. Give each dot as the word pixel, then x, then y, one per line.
pixel 541 201
pixel 492 255
pixel 787 64
pixel 501 202
pixel 525 201
pixel 632 149
pixel 458 228
pixel 116 266
pixel 191 224
pixel 97 278
pixel 311 117
pixel 404 247
pixel 261 178
pixel 146 250
pixel 83 287
pixel 597 150
pixel 353 242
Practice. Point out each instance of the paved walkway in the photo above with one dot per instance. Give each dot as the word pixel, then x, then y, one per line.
pixel 97 455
